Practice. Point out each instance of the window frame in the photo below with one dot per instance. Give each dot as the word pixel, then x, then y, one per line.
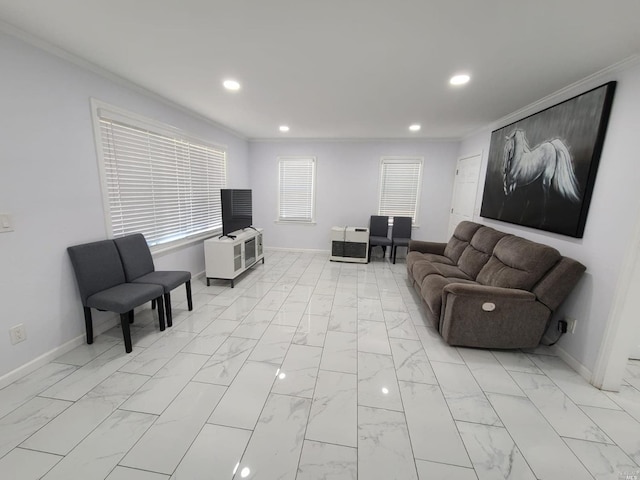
pixel 401 160
pixel 312 219
pixel 100 109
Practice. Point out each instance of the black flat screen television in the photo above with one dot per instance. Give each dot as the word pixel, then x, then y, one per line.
pixel 237 209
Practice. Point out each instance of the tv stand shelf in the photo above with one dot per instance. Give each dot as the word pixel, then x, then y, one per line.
pixel 227 257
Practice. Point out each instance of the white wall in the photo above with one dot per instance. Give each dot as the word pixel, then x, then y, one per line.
pixel 347 187
pixel 49 182
pixel 615 207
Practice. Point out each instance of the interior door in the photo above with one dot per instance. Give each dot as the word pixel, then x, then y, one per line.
pixel 465 189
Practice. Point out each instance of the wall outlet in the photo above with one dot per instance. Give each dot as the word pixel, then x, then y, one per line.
pixel 571 325
pixel 18 334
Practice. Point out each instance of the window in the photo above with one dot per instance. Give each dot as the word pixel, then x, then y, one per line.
pixel 297 188
pixel 157 181
pixel 400 180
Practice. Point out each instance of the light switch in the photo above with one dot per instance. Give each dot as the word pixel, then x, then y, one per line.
pixel 6 223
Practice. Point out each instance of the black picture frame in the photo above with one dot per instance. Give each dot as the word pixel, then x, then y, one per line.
pixel 528 180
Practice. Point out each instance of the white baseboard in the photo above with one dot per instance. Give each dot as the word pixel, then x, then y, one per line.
pixel 33 365
pixel 572 362
pixel 296 250
pixel 45 358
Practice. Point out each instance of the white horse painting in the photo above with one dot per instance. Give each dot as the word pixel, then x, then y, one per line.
pixel 541 169
pixel 549 161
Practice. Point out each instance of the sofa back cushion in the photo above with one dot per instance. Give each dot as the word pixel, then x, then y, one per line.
pixel 479 250
pixel 517 263
pixel 460 240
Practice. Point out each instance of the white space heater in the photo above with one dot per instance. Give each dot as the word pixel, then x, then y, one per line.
pixel 349 244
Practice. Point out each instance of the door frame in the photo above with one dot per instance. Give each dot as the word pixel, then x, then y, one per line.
pixel 619 331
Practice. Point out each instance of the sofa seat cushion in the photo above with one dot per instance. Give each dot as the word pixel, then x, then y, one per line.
pixel 424 269
pixel 479 251
pixel 517 263
pixel 414 258
pixel 432 289
pixel 433 258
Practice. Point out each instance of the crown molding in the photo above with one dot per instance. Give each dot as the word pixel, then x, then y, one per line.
pixel 356 140
pixel 564 93
pixel 78 61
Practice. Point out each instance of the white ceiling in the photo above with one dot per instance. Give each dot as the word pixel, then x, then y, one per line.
pixel 342 68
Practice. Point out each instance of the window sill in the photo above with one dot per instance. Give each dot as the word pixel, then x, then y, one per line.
pixel 285 222
pixel 166 248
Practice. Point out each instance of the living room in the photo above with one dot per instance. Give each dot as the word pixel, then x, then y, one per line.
pixel 50 184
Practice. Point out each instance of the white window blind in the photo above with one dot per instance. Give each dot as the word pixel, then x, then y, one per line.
pixel 297 186
pixel 163 186
pixel 400 180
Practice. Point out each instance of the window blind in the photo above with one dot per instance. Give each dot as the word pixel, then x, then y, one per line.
pixel 296 192
pixel 400 180
pixel 162 186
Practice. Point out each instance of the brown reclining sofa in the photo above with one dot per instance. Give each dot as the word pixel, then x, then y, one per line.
pixel 486 288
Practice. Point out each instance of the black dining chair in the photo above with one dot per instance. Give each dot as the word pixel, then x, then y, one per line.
pixel 379 234
pixel 138 268
pixel 103 286
pixel 400 234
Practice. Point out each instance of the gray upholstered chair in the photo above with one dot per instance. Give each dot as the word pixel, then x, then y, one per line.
pixel 400 234
pixel 139 268
pixel 103 286
pixel 379 233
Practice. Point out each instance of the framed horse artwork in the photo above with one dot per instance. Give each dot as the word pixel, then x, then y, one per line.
pixel 541 170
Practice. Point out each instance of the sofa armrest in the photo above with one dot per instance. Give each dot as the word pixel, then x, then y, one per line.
pixel 427 247
pixel 491 317
pixel 557 284
pixel 488 294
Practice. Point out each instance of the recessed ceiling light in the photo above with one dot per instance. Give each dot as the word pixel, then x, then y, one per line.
pixel 284 128
pixel 415 127
pixel 231 85
pixel 459 79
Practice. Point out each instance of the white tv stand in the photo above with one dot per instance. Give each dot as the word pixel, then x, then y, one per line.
pixel 226 258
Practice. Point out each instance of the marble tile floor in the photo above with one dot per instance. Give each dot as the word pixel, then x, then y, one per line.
pixel 308 370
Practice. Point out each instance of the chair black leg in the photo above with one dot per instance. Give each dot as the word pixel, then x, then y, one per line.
pixel 189 301
pixel 88 324
pixel 126 331
pixel 153 304
pixel 131 316
pixel 161 313
pixel 394 251
pixel 167 309
pixel 384 251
